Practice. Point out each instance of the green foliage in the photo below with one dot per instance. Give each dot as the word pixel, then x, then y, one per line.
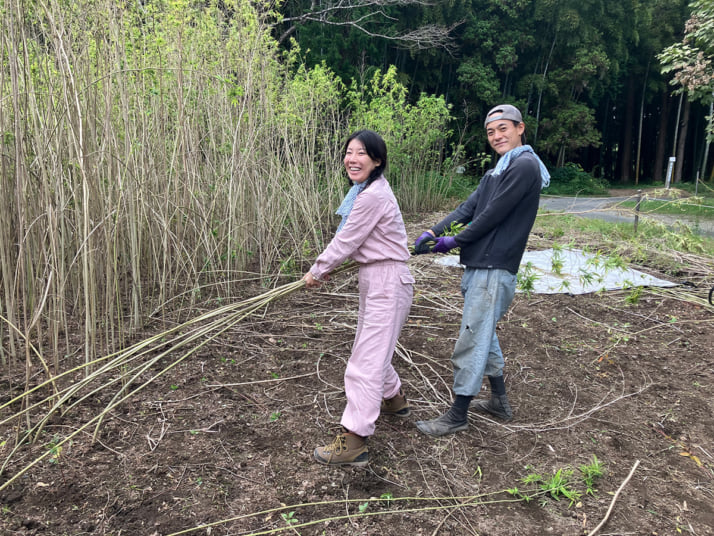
pixel 519 494
pixel 556 262
pixel 693 206
pixel 572 180
pixel 566 63
pixel 481 78
pixel 416 136
pixel 590 472
pixel 690 59
pixel 559 485
pixel 654 244
pixel 289 518
pixel 526 278
pixel 571 126
pixel 454 229
pixel 387 498
pixel 633 298
pixel 205 148
pixel 586 278
pixel 562 483
pixel 55 449
pixel 289 267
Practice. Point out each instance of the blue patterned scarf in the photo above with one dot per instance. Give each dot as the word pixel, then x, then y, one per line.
pixel 506 159
pixel 348 202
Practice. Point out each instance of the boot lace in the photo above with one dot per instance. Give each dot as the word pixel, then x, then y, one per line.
pixel 338 445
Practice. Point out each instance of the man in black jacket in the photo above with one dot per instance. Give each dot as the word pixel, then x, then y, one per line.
pixel 499 216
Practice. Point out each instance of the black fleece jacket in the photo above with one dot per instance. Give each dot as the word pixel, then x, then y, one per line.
pixel 499 214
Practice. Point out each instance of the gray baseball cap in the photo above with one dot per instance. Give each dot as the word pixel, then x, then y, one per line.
pixel 503 111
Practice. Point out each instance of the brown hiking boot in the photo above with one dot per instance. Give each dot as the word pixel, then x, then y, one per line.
pixel 346 449
pixel 397 405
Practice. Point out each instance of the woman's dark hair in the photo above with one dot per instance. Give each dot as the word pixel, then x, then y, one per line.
pixel 376 149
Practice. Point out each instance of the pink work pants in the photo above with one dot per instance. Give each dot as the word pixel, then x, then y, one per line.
pixel 385 296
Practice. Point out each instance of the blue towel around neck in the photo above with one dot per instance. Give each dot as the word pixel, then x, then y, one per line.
pixel 348 202
pixel 511 155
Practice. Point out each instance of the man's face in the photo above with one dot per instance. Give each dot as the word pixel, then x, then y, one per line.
pixel 504 135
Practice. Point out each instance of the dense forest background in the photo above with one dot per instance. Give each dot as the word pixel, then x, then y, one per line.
pixel 153 152
pixel 587 73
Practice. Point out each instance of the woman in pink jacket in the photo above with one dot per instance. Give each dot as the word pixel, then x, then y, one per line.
pixel 371 233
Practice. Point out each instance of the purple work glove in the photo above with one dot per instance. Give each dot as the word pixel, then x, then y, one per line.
pixel 444 244
pixel 424 242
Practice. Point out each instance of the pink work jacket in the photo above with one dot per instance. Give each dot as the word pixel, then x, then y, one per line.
pixel 374 232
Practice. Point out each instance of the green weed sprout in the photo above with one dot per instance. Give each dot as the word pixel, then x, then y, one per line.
pixel 590 472
pixel 289 518
pixel 558 485
pixel 517 493
pixel 633 298
pixel 55 449
pixel 556 263
pixel 526 278
pixel 586 278
pixel 615 262
pixel 454 229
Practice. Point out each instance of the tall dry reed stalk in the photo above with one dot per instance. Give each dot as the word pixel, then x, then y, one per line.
pixel 149 153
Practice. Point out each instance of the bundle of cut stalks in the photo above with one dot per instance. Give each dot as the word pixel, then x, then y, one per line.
pixel 121 371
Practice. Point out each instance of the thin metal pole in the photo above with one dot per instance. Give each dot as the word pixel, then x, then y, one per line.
pixel 696 186
pixel 637 208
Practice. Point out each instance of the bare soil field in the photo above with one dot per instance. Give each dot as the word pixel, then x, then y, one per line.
pixel 221 444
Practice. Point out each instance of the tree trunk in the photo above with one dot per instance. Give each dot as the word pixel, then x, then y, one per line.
pixel 658 170
pixel 540 91
pixel 703 172
pixel 639 130
pixel 682 144
pixel 627 126
pixel 561 156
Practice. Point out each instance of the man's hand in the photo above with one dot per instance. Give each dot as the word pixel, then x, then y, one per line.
pixel 424 243
pixel 444 244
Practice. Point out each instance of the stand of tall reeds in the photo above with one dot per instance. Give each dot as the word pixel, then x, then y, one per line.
pixel 149 151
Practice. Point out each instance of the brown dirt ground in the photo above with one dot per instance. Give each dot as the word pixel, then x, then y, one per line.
pixel 228 434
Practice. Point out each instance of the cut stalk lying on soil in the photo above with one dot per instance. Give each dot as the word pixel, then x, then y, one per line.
pixel 221 319
pixel 462 502
pixel 614 500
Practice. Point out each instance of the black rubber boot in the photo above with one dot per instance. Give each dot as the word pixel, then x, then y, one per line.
pixel 448 423
pixel 497 406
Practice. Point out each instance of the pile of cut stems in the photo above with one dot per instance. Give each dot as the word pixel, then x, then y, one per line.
pixel 121 372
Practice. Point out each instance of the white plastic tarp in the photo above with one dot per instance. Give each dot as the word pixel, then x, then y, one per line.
pixel 572 271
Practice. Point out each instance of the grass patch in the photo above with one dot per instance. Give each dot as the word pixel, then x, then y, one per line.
pixel 695 206
pixel 571 179
pixel 654 245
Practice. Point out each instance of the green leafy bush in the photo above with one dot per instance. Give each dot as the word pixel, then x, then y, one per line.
pixel 571 179
pixel 416 136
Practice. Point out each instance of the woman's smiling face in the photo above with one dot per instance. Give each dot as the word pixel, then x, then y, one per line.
pixel 358 163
